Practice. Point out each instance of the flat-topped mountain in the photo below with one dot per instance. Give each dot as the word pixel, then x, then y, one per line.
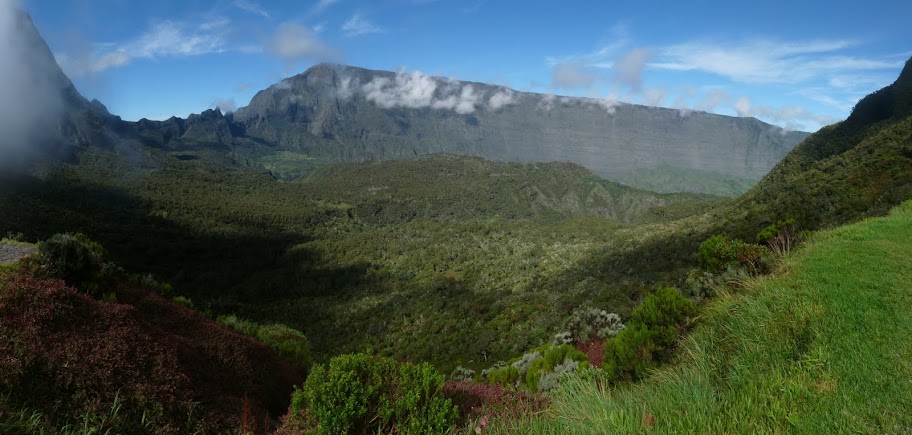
pixel 351 114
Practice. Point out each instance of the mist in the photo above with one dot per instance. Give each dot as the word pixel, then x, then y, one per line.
pixel 31 87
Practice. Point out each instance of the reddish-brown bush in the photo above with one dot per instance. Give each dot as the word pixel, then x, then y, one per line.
pixel 65 354
pixel 476 401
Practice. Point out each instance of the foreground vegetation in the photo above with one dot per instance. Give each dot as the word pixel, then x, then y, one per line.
pixel 822 347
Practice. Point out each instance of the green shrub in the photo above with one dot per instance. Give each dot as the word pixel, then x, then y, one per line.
pixel 183 301
pixel 462 374
pixel 504 376
pixel 649 336
pixel 718 252
pixel 288 342
pixel 586 323
pixel 77 260
pixel 367 394
pixel 566 357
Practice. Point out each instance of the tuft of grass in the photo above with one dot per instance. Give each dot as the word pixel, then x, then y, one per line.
pixel 823 348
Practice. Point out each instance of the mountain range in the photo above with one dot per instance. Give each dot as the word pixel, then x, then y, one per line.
pixel 335 113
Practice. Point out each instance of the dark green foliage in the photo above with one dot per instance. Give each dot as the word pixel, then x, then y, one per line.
pixel 650 334
pixel 360 393
pixel 77 260
pixel 719 252
pixel 288 342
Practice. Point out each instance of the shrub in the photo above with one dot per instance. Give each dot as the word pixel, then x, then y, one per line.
pixel 77 260
pixel 563 358
pixel 649 336
pixel 718 252
pixel 780 237
pixel 181 300
pixel 700 284
pixel 462 374
pixel 366 394
pixel 587 323
pixel 288 342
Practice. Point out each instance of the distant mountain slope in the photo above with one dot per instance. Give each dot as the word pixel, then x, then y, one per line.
pixel 345 113
pixel 447 186
pixel 856 168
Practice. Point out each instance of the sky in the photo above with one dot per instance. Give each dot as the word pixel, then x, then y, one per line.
pixel 796 64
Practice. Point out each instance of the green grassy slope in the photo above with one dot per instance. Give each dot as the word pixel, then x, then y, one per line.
pixel 825 346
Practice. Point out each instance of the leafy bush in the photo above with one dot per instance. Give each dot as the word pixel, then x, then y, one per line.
pixel 556 361
pixel 587 323
pixel 718 252
pixel 78 261
pixel 649 336
pixel 545 362
pixel 462 374
pixel 700 284
pixel 183 301
pixel 780 237
pixel 366 394
pixel 288 342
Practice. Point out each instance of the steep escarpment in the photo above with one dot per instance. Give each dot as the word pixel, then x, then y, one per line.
pixel 348 113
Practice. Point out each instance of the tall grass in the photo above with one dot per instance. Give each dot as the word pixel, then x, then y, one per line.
pixel 823 347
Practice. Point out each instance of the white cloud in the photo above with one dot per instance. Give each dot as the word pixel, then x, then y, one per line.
pixel 415 91
pixel 357 25
pixel 30 92
pixel 252 7
pixel 164 39
pixel 501 99
pixel 573 75
pixel 714 98
pixel 226 105
pixel 628 68
pixel 789 117
pixel 322 5
pixel 766 61
pixel 293 42
pixel 654 97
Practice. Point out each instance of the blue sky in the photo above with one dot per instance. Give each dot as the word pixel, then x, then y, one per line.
pixel 797 64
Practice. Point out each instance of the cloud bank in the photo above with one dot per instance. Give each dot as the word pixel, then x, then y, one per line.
pixel 30 89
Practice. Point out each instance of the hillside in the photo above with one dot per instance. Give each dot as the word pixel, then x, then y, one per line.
pixel 142 363
pixel 450 187
pixel 822 347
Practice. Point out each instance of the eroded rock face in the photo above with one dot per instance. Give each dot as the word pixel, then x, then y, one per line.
pixel 349 113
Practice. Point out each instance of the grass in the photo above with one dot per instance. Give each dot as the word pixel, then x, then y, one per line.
pixel 825 346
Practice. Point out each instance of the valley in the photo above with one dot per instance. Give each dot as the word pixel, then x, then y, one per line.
pixel 362 251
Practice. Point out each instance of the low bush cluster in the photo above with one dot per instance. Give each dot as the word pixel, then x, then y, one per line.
pixel 719 252
pixel 588 323
pixel 77 260
pixel 650 334
pixel 537 370
pixel 360 393
pixel 288 342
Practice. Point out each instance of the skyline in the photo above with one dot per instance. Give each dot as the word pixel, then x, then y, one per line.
pixel 156 60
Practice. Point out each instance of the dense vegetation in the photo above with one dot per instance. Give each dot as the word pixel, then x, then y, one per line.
pixel 824 347
pixel 480 264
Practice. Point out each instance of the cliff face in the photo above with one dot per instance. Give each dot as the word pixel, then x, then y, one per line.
pixel 350 114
